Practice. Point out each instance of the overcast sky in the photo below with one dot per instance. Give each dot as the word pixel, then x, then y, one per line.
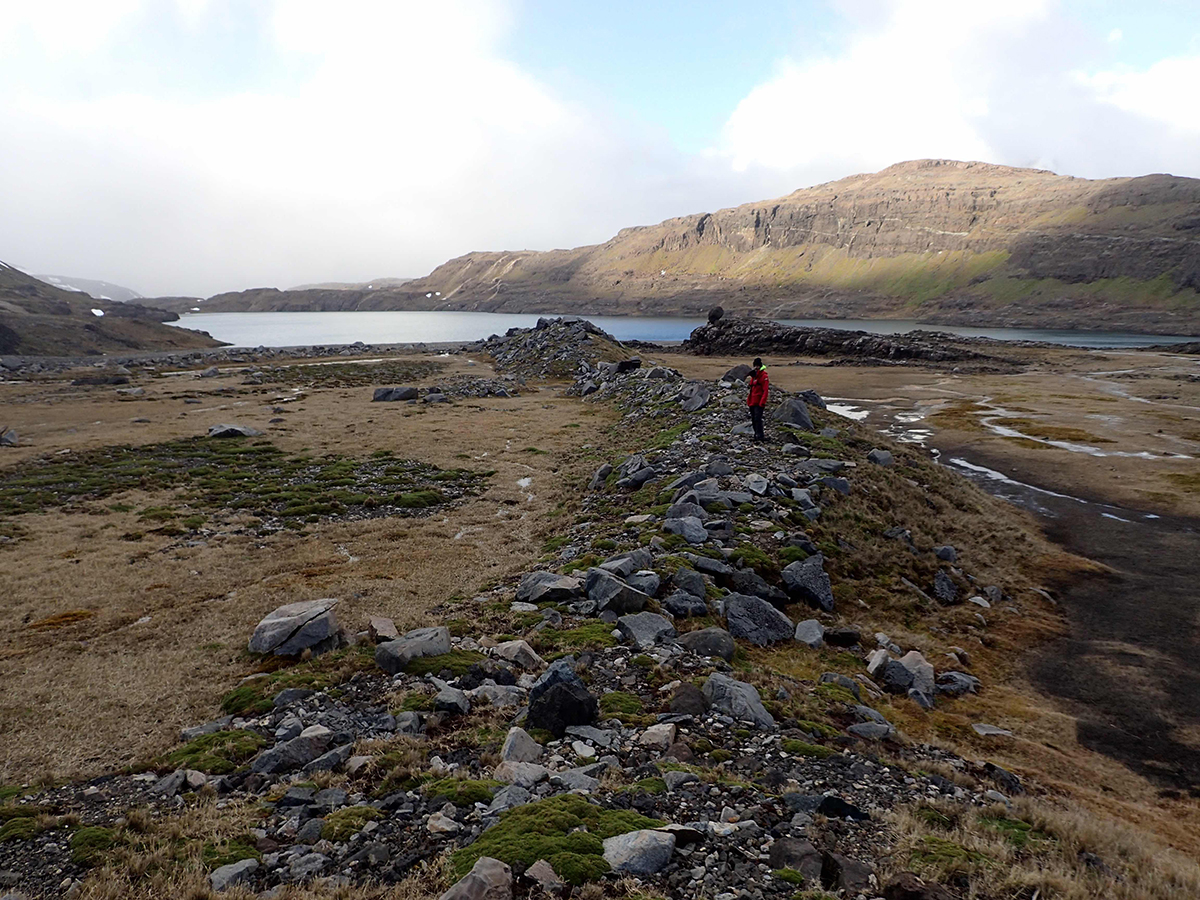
pixel 197 146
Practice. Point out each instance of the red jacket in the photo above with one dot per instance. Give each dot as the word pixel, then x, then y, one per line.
pixel 759 384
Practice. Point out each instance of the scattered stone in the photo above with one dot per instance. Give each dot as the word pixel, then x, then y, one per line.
pixel 489 879
pixel 519 653
pixel 690 528
pixel 792 411
pixel 563 704
pixel 737 699
pixel 796 854
pixel 639 852
pixel 394 656
pixel 394 394
pixel 296 627
pixel 945 591
pixel 688 700
pixel 610 593
pixel 232 431
pixel 381 629
pixel 8 438
pixel 811 633
pixel 806 580
pixel 225 877
pixel 712 642
pixel 982 728
pixel 881 457
pixel 757 621
pixel 658 737
pixel 548 587
pixel 683 605
pixel 842 874
pixel 645 629
pixel 946 553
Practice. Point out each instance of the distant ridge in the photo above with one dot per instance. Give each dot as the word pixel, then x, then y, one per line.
pixel 940 241
pixel 100 290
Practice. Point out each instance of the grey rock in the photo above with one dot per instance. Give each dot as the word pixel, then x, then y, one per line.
pixel 689 580
pixel 955 684
pixel 811 633
pixel 717 467
pixel 600 476
pixel 806 580
pixel 792 411
pixel 747 581
pixel 8 438
pixel 841 681
pixel 694 396
pixel 548 587
pixel 945 591
pixel 294 754
pixel 755 620
pixel 798 855
pixel 985 730
pixel 843 874
pixel 307 866
pixel 871 731
pixel 611 593
pixel 394 394
pixel 881 457
pixel 225 877
pixel 841 485
pixel 563 704
pixel 574 780
pixel 520 747
pixel 639 852
pixel 690 528
pixel 803 496
pixel 188 734
pixel 489 879
pixel 451 700
pixel 561 671
pixel 946 553
pixel 231 431
pixel 892 676
pixel 685 509
pixel 522 774
pixel 331 760
pixel 689 700
pixel 737 699
pixel 645 629
pixel 738 373
pixel 757 484
pixel 394 656
pixel 683 605
pixel 676 780
pixel 435 397
pixel 509 797
pixel 812 398
pixel 646 581
pixel 296 627
pixel 711 642
pixel 922 672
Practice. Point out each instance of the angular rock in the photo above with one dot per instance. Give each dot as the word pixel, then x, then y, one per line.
pixel 543 873
pixel 683 605
pixel 688 700
pixel 881 457
pixel 689 528
pixel 871 731
pixel 394 394
pixel 394 656
pixel 811 633
pixel 747 581
pixel 659 737
pixel 694 396
pixel 737 699
pixel 8 438
pixel 520 654
pixel 639 852
pixel 792 411
pixel 689 580
pixel 609 592
pixel 955 684
pixel 757 621
pixel 508 797
pixel 946 553
pixel 945 591
pixel 548 587
pixel 296 627
pixel 712 642
pixel 561 671
pixel 231 431
pixel 489 879
pixel 841 873
pixel 225 877
pixel 381 629
pixel 907 886
pixel 563 704
pixel 841 681
pixel 806 580
pixel 798 855
pixel 521 774
pixel 645 629
pixel 756 484
pixel 294 754
pixel 646 581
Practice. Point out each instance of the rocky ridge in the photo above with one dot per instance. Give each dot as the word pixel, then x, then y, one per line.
pixel 612 713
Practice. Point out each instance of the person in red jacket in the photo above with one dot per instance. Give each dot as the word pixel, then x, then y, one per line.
pixel 757 401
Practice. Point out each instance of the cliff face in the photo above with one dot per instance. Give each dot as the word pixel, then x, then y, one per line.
pixel 38 319
pixel 936 240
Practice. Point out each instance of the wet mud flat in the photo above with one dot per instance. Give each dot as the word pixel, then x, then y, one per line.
pixel 1127 669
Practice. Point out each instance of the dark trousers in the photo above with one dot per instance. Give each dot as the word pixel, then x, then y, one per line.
pixel 756 417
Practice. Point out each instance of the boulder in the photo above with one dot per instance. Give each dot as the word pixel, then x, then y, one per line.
pixel 296 627
pixel 225 877
pixel 946 553
pixel 489 879
pixel 945 591
pixel 690 528
pixel 639 852
pixel 688 700
pixel 907 886
pixel 689 580
pixel 232 431
pixel 798 855
pixel 381 629
pixel 394 656
pixel 394 394
pixel 294 754
pixel 792 411
pixel 811 633
pixel 806 580
pixel 712 642
pixel 881 457
pixel 519 653
pixel 737 699
pixel 757 484
pixel 548 587
pixel 955 684
pixel 843 874
pixel 694 396
pixel 747 581
pixel 561 671
pixel 8 438
pixel 683 605
pixel 646 581
pixel 600 476
pixel 645 629
pixel 686 508
pixel 563 704
pixel 609 592
pixel 812 398
pixel 520 747
pixel 755 620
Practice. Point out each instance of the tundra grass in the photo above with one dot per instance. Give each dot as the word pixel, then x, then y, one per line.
pixel 354 374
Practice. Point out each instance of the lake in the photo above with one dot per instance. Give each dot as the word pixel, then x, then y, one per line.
pixel 296 329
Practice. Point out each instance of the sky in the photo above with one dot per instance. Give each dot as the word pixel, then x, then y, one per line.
pixel 198 146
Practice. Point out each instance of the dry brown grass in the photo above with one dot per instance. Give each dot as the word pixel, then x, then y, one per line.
pixel 1035 847
pixel 137 684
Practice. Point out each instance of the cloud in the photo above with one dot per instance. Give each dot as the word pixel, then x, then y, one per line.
pixel 992 80
pixel 406 138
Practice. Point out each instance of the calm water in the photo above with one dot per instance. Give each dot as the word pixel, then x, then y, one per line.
pixel 293 329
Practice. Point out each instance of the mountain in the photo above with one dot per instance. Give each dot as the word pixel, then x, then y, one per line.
pixel 39 319
pixel 374 284
pixel 100 290
pixel 940 241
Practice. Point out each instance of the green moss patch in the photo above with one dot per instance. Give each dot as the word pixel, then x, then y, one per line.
pixel 462 791
pixel 567 831
pixel 1017 832
pixel 800 748
pixel 20 828
pixel 456 661
pixel 355 374
pixel 255 697
pixel 345 823
pixel 216 754
pixel 593 636
pixel 215 855
pixel 89 845
pixel 791 876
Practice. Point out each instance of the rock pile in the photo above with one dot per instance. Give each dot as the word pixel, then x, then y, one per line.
pixel 554 348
